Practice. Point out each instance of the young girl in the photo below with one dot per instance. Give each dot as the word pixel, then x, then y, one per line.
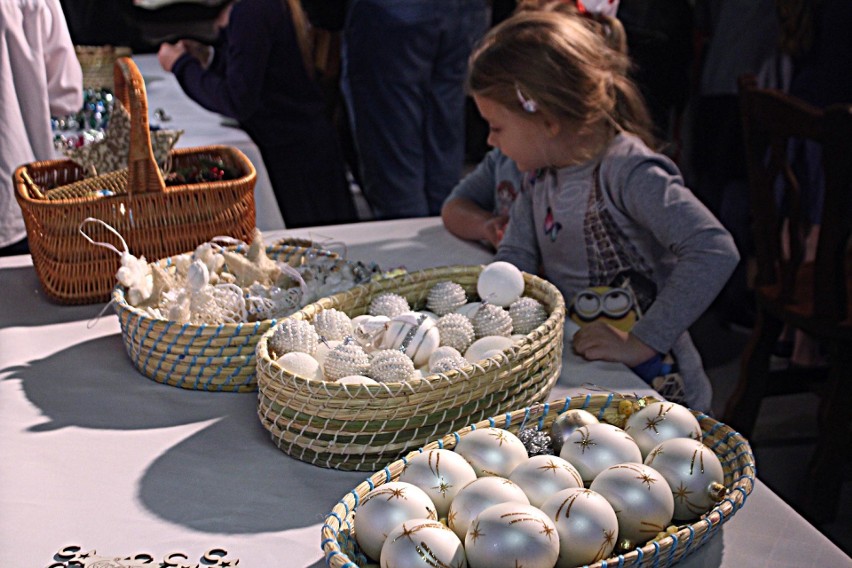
pixel 600 209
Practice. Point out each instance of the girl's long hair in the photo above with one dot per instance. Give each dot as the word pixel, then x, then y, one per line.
pixel 303 34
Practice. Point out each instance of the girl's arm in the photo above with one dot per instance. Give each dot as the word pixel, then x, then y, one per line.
pixel 468 211
pixel 519 245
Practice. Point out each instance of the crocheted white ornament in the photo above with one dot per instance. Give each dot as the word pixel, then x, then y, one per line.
pixel 293 335
pixel 450 363
pixel 135 274
pixel 444 297
pixel 388 304
pixel 333 324
pixel 456 331
pixel 390 366
pixel 491 320
pixel 527 314
pixel 414 334
pixel 346 359
pixel 500 283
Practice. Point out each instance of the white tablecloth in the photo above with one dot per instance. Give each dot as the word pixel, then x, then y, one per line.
pixel 94 454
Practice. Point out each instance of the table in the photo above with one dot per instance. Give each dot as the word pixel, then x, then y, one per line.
pixel 96 455
pixel 204 128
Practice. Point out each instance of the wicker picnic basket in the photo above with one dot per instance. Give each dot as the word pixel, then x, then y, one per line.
pixel 97 63
pixel 359 427
pixel 200 356
pixel 733 450
pixel 156 220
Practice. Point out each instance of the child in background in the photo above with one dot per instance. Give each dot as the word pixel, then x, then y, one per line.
pixel 602 210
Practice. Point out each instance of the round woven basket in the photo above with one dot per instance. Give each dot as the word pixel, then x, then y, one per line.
pixel 733 450
pixel 363 426
pixel 200 356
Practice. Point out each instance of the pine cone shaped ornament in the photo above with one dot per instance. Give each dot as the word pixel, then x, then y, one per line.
pixel 346 359
pixel 389 304
pixel 390 366
pixel 333 324
pixel 527 314
pixel 491 319
pixel 446 364
pixel 293 335
pixel 444 297
pixel 456 331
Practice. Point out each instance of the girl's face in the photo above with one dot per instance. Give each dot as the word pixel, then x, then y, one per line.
pixel 522 139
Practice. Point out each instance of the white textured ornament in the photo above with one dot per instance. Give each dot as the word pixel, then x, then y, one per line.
pixel 356 380
pixel 415 335
pixel 492 451
pixel 333 324
pixel 543 475
pixel 456 331
pixel 468 309
pixel 442 352
pixel 586 523
pixel 476 352
pixel 477 496
pixel 293 335
pixel 388 304
pixel 500 283
pixel 490 319
pixel 693 472
pixel 369 331
pixel 508 535
pixel 324 348
pixel 447 364
pixel 661 421
pixel 594 447
pixel 384 508
pixel 390 366
pixel 526 314
pixel 422 543
pixel 441 474
pixel 566 423
pixel 346 359
pixel 301 364
pixel 641 498
pixel 444 297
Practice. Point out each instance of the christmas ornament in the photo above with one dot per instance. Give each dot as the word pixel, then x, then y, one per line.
pixel 445 296
pixel 293 335
pixel 369 330
pixel 586 523
pixel 442 352
pixel 468 309
pixel 386 507
pixel 447 364
pixel 500 283
pixel 660 421
pixel 693 473
pixel 301 364
pixel 333 324
pixel 477 350
pixel 390 366
pixel 492 451
pixel 541 476
pixel 415 335
pixel 422 542
pixel 566 423
pixel 526 315
pixel 456 331
pixel 356 380
pixel 325 347
pixel 508 535
pixel 641 498
pixel 490 319
pixel 477 496
pixel 594 447
pixel 537 442
pixel 348 358
pixel 441 474
pixel 388 304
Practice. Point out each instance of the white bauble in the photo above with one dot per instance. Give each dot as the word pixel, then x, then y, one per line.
pixel 390 366
pixel 344 360
pixel 492 451
pixel 693 472
pixel 566 423
pixel 508 535
pixel 477 496
pixel 301 364
pixel 441 474
pixel 388 304
pixel 415 334
pixel 368 331
pixel 456 331
pixel 333 324
pixel 447 364
pixel 384 508
pixel 356 380
pixel 476 352
pixel 527 314
pixel 641 498
pixel 586 523
pixel 491 320
pixel 293 335
pixel 661 421
pixel 594 447
pixel 543 475
pixel 440 353
pixel 431 315
pixel 422 543
pixel 500 283
pixel 445 296
pixel 324 348
pixel 468 309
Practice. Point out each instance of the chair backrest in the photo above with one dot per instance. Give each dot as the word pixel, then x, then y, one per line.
pixel 790 145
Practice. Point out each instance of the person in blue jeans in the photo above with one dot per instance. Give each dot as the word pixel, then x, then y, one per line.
pixel 404 67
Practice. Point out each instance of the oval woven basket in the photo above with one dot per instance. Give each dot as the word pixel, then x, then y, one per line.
pixel 200 356
pixel 360 427
pixel 733 450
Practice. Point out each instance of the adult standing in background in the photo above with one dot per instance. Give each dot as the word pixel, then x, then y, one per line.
pixel 404 67
pixel 39 76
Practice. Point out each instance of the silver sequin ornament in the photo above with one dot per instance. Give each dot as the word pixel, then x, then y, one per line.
pixel 444 297
pixel 348 358
pixel 456 331
pixel 537 442
pixel 390 366
pixel 333 324
pixel 293 335
pixel 388 304
pixel 526 314
pixel 491 319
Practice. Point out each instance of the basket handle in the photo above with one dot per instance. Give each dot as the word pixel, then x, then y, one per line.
pixel 143 174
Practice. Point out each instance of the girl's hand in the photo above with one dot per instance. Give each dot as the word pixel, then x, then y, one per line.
pixel 495 228
pixel 202 52
pixel 169 53
pixel 599 341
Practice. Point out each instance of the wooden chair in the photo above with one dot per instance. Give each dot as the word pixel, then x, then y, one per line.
pixel 793 290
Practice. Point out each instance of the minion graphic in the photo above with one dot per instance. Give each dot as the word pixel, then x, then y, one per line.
pixel 615 306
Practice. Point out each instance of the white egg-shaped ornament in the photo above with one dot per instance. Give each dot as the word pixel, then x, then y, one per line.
pixel 694 474
pixel 456 331
pixel 388 304
pixel 333 324
pixel 324 348
pixel 442 352
pixel 293 335
pixel 477 496
pixel 468 309
pixel 508 535
pixel 431 315
pixel 541 476
pixel 422 543
pixel 348 358
pixel 384 508
pixel 445 296
pixel 368 331
pixel 354 380
pixel 476 352
pixel 526 314
pixel 492 451
pixel 641 498
pixel 490 319
pixel 447 364
pixel 301 364
pixel 500 283
pixel 594 447
pixel 566 423
pixel 661 421
pixel 586 523
pixel 390 366
pixel 441 474
pixel 415 335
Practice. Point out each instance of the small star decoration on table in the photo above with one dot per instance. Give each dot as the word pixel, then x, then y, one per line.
pixel 110 154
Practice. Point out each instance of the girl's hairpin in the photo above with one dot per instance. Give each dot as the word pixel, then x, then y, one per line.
pixel 529 105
